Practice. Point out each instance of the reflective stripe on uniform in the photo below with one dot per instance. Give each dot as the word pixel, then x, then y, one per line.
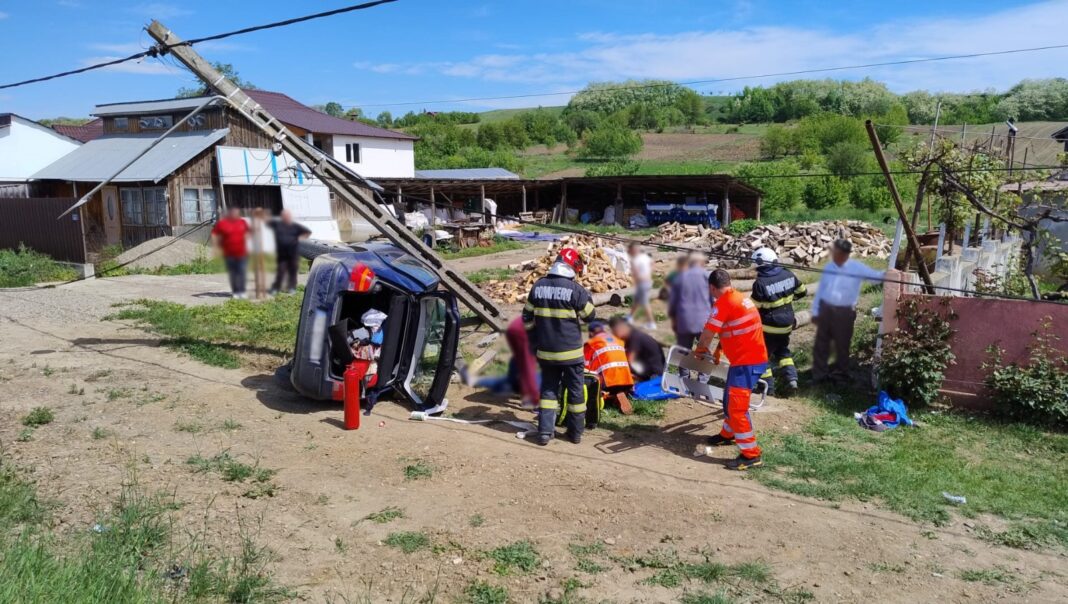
pixel 776 304
pixel 607 349
pixel 577 408
pixel 744 446
pixel 563 355
pixel 555 313
pixel 738 332
pixel 548 403
pixel 529 306
pixel 767 373
pixel 715 323
pixel 782 331
pixel 787 362
pixel 616 365
pixel 587 310
pixel 744 435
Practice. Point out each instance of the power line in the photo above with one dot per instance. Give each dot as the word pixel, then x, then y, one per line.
pixel 159 50
pixel 733 78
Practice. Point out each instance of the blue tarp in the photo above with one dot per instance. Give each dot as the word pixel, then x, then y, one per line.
pixel 650 390
pixel 529 236
pixel 890 412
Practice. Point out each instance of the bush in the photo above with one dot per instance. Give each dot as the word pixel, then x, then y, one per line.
pixel 1037 392
pixel 610 141
pixel 743 226
pixel 847 158
pixel 610 97
pixel 779 181
pixel 777 142
pixel 24 267
pixel 914 357
pixel 614 168
pixel 826 192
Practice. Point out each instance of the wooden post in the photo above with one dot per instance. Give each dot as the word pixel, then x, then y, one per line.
pixel 913 243
pixel 482 203
pixel 259 271
pixel 726 206
pixel 537 198
pixel 524 198
pixel 562 218
pixel 433 209
pixel 397 204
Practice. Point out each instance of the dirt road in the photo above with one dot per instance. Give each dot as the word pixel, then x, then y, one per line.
pixel 621 495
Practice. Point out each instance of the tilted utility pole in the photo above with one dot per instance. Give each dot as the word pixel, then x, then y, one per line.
pixel 910 233
pixel 339 181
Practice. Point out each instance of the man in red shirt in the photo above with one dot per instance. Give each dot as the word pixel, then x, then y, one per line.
pixel 230 234
pixel 736 320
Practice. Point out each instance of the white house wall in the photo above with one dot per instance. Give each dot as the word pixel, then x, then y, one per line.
pixel 379 157
pixel 27 147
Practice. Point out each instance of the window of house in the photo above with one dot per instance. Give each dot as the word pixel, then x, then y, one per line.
pixel 144 207
pixel 155 122
pixel 122 123
pixel 352 153
pixel 198 205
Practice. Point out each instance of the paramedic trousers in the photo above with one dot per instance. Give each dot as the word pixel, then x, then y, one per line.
pixel 781 359
pixel 555 378
pixel 834 326
pixel 737 425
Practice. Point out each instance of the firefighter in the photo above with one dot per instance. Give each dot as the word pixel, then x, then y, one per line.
pixel 555 307
pixel 736 321
pixel 774 292
pixel 606 356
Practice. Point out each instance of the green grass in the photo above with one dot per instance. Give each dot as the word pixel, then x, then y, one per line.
pixel 188 427
pixel 230 424
pixel 230 469
pixel 99 433
pixel 647 416
pixel 1009 470
pixel 719 597
pixel 24 267
pixel 990 576
pixel 489 274
pixel 215 334
pixel 409 541
pixel 418 471
pixel 25 435
pixel 386 515
pixel 127 560
pixel 476 520
pixel 499 245
pixel 39 416
pixel 480 592
pixel 518 557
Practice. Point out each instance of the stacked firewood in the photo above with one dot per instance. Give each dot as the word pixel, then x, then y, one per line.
pixel 806 243
pixel 601 275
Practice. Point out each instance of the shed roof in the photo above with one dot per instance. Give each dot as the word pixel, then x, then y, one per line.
pixel 468 174
pixel 149 107
pixel 1060 135
pixel 98 159
pixel 290 111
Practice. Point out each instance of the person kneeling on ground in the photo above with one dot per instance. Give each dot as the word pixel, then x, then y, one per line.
pixel 736 321
pixel 644 353
pixel 606 357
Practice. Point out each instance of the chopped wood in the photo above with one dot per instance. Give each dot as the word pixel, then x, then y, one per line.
pixel 600 276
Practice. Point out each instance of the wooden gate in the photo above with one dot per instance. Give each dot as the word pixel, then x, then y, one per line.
pixel 32 222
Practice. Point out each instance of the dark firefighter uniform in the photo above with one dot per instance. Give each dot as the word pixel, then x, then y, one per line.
pixel 774 292
pixel 555 308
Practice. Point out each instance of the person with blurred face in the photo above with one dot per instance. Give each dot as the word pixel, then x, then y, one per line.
pixel 230 235
pixel 287 237
pixel 644 353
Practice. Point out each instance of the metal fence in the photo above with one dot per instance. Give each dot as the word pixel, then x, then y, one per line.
pixel 32 222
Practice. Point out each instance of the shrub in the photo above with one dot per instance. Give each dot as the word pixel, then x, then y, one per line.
pixel 743 226
pixel 613 168
pixel 826 192
pixel 24 267
pixel 914 357
pixel 38 417
pixel 778 179
pixel 610 141
pixel 1037 392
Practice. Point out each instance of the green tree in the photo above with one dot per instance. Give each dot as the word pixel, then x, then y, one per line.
pixel 777 141
pixel 582 120
pixel 847 158
pixel 610 141
pixel 826 192
pixel 610 97
pixel 779 181
pixel 201 89
pixel 692 107
pixel 385 119
pixel 334 109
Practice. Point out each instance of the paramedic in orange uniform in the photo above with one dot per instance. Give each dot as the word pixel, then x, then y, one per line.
pixel 606 356
pixel 736 320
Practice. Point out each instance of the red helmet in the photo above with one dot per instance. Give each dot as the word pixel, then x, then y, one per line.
pixel 571 257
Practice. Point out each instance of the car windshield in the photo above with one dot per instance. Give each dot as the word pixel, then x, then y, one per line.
pixel 431 334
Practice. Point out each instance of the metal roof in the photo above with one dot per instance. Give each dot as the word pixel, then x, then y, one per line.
pixel 146 107
pixel 468 174
pixel 292 112
pixel 98 159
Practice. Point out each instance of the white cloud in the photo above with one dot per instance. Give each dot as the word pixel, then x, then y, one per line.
pixel 160 10
pixel 3 15
pixel 735 52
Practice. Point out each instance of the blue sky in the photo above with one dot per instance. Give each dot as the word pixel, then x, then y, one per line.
pixel 434 50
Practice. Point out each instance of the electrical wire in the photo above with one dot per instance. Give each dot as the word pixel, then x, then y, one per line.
pixel 158 50
pixel 733 78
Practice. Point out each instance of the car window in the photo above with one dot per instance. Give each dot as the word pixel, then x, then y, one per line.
pixel 431 335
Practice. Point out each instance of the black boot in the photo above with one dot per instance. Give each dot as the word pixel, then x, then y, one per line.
pixel 576 425
pixel 546 426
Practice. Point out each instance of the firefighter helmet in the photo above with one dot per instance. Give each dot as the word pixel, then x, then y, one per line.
pixel 571 257
pixel 765 255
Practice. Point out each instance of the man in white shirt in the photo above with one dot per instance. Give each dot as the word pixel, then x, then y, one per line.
pixel 641 270
pixel 834 311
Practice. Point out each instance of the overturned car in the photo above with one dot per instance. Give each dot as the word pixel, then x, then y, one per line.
pixel 376 303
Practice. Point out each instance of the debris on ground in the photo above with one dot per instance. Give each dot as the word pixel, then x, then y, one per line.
pixel 601 273
pixel 163 251
pixel 805 244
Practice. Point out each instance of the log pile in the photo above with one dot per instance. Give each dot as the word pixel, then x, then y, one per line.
pixel 600 276
pixel 805 244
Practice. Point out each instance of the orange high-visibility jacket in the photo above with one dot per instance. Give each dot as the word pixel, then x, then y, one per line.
pixel 606 357
pixel 736 320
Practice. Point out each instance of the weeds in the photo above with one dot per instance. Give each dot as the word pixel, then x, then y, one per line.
pixel 519 556
pixel 25 435
pixel 476 520
pixel 114 394
pixel 24 267
pixel 39 416
pixel 480 592
pixel 99 433
pixel 98 375
pixel 490 274
pixel 385 516
pixel 990 576
pixel 418 471
pixel 74 389
pixel 232 470
pixel 188 427
pixel 408 542
pixel 230 425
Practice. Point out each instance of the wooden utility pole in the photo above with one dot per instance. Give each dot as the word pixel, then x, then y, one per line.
pixel 340 181
pixel 910 233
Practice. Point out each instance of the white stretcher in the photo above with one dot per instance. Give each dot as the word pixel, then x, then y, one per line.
pixel 687 375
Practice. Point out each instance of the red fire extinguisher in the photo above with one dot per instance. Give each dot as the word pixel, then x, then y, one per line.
pixel 354 375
